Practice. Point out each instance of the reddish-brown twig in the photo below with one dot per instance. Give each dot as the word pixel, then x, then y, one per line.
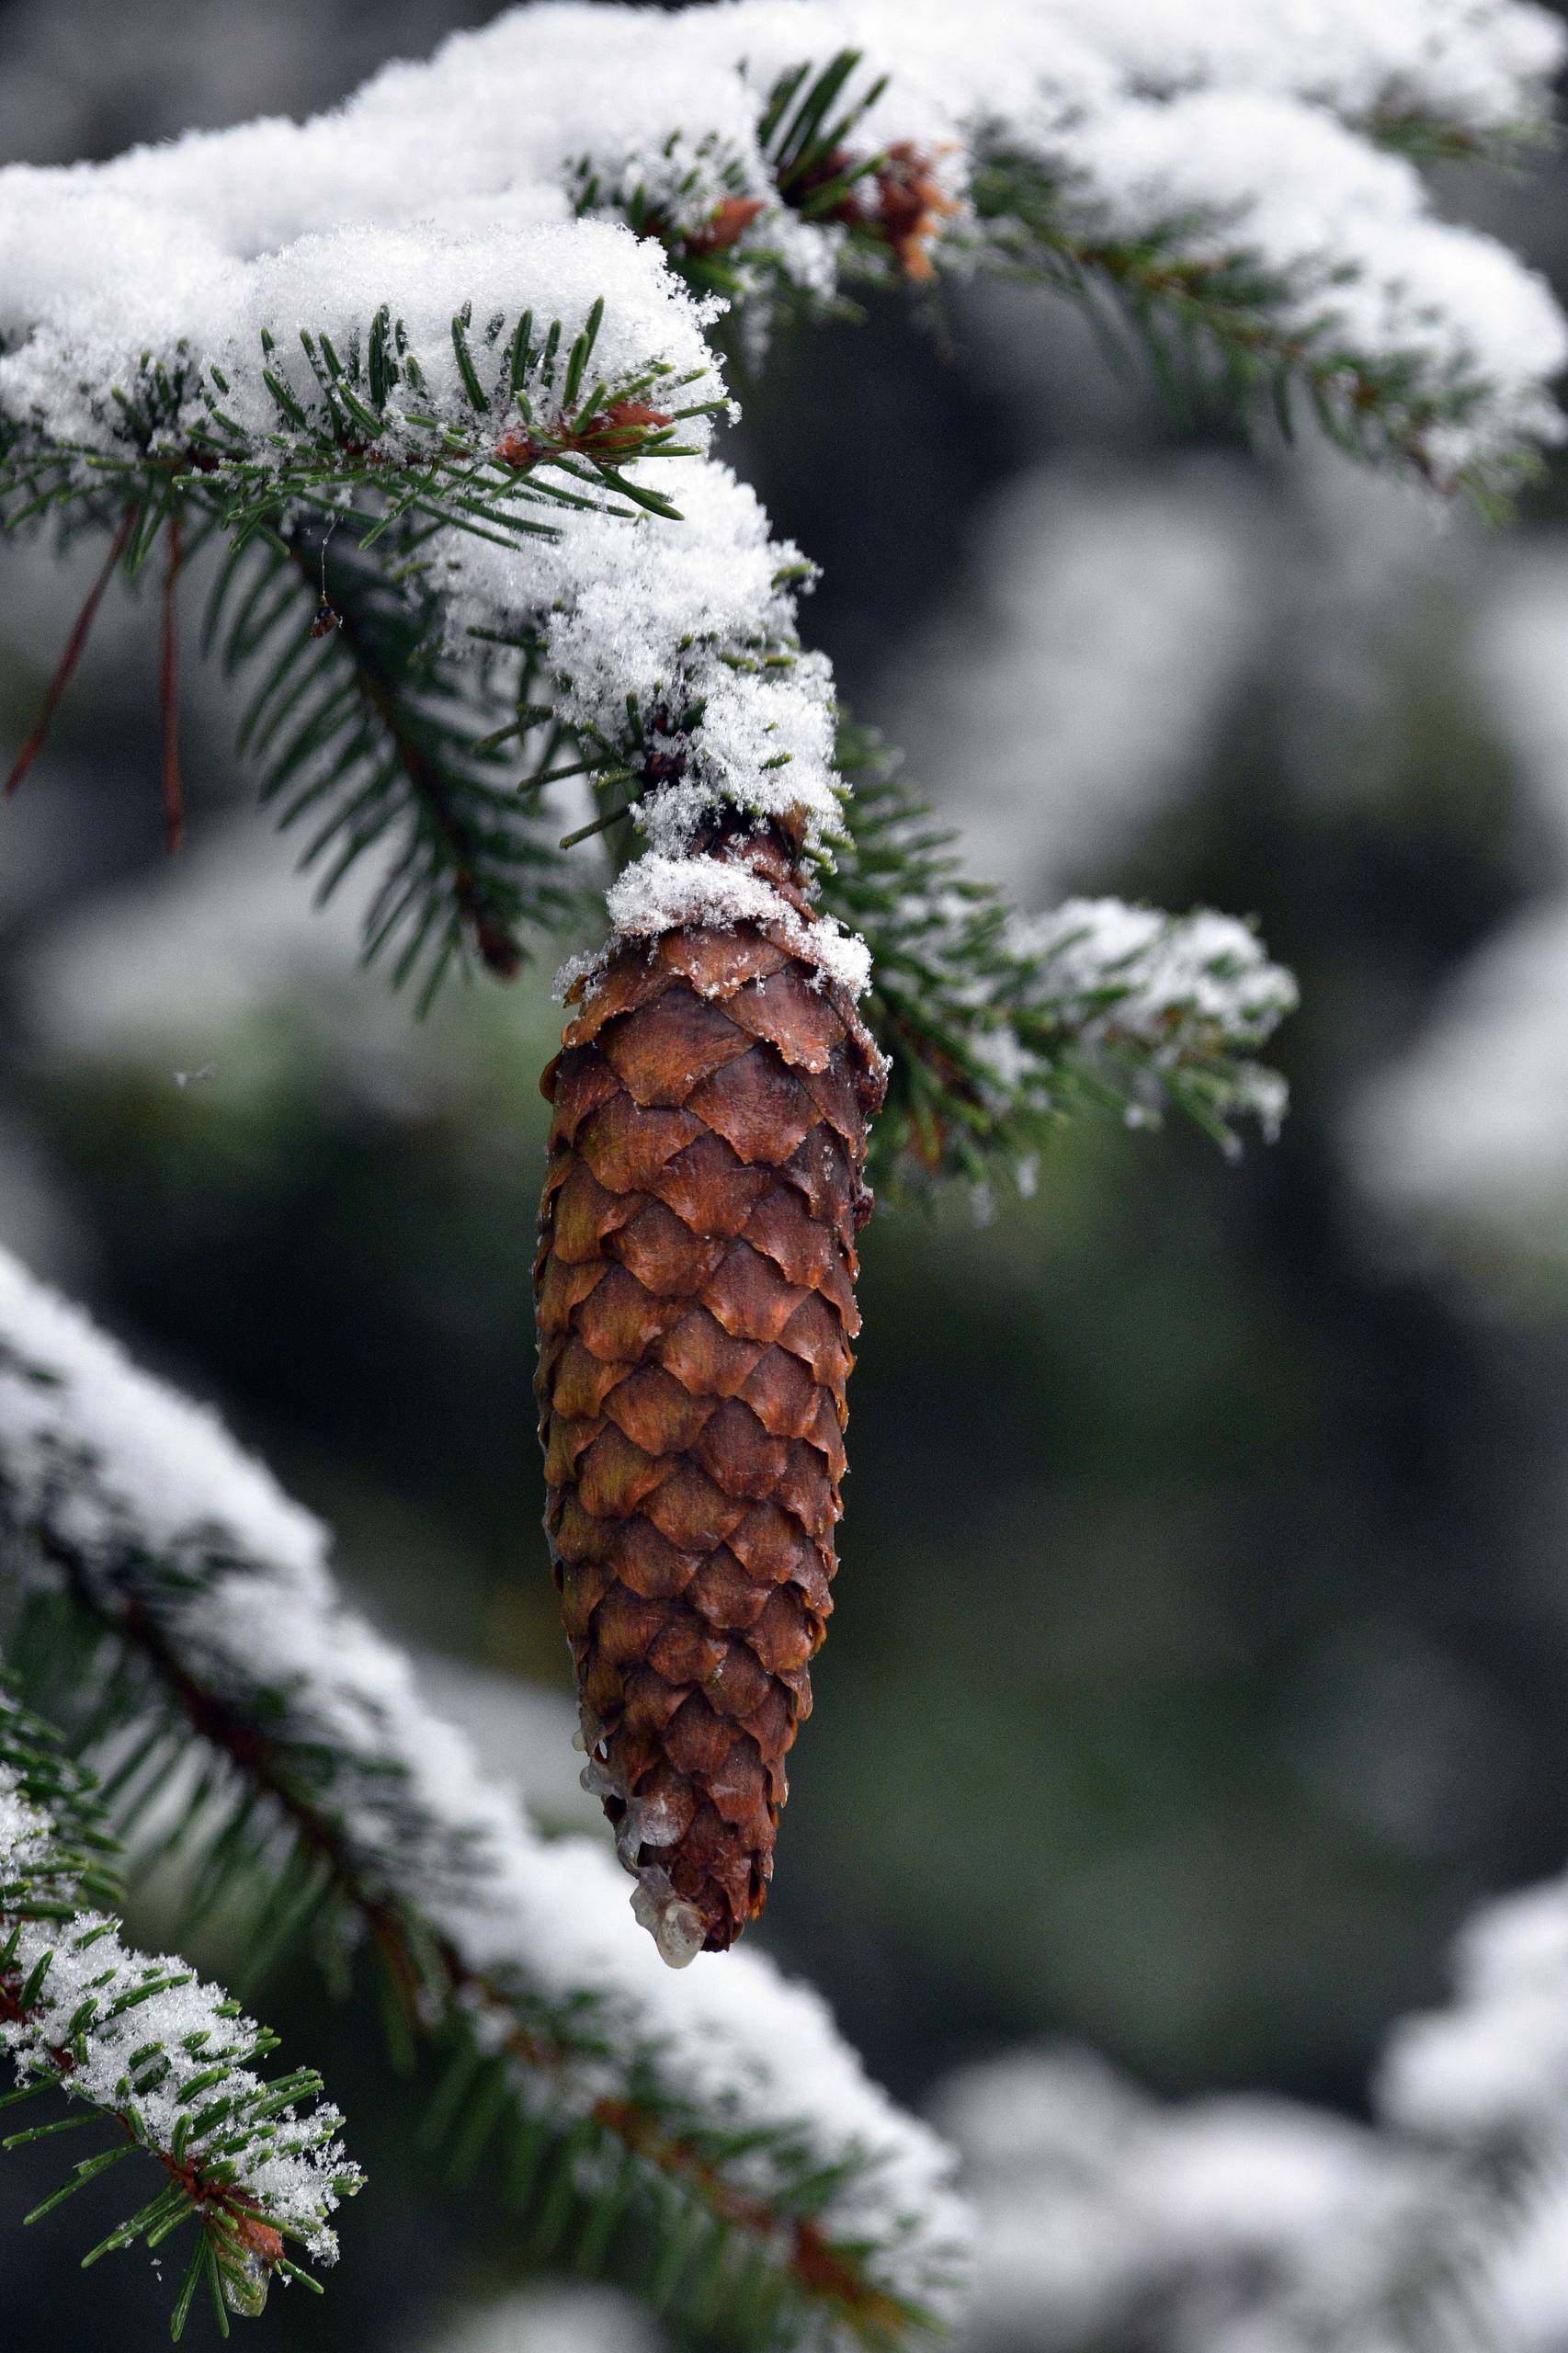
pixel 71 655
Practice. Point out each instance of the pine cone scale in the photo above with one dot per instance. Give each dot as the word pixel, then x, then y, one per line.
pixel 696 1308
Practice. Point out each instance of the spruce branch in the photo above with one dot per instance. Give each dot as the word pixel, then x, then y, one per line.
pixel 725 238
pixel 508 430
pixel 368 736
pixel 997 1027
pixel 364 724
pixel 179 1596
pixel 474 478
pixel 1093 176
pixel 1216 323
pixel 1386 2240
pixel 143 2045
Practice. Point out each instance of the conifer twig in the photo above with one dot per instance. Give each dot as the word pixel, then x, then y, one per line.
pixel 64 668
pixel 142 2045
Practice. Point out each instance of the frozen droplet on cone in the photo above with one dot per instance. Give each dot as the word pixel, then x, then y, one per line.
pixel 680 1934
pixel 677 1927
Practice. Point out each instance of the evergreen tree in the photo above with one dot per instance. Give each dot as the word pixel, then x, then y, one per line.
pixel 427 390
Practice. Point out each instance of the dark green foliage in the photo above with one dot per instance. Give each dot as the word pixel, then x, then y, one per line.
pixel 990 1044
pixel 804 131
pixel 368 736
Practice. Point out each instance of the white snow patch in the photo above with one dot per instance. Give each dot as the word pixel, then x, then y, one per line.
pixel 658 895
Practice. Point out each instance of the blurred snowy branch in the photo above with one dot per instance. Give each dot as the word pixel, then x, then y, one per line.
pixel 1462 1141
pixel 1248 2225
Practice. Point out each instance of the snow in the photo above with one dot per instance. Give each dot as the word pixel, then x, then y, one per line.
pixel 695 625
pixel 1251 2224
pixel 537 1924
pixel 513 109
pixel 551 2320
pixel 289 2163
pixel 1528 2280
pixel 1479 66
pixel 1080 673
pixel 1240 2224
pixel 658 895
pixel 276 224
pixel 92 280
pixel 203 242
pixel 1493 2065
pixel 1179 985
pixel 1367 279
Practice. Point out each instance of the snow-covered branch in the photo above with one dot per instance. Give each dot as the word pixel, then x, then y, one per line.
pixel 1221 168
pixel 1166 1006
pixel 1256 2225
pixel 359 1810
pixel 453 420
pixel 141 2043
pixel 998 1024
pixel 1226 2226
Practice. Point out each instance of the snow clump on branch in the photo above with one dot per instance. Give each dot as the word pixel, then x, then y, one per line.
pixel 676 642
pixel 1244 140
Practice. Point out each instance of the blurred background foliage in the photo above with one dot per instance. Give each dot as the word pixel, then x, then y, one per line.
pixel 1202 1643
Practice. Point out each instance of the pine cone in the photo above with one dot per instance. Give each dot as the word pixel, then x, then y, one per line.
pixel 696 1306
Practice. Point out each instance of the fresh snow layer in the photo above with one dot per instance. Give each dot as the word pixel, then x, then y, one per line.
pixel 1491 2070
pixel 728 2038
pixel 1257 2225
pixel 1477 67
pixel 182 275
pixel 1167 981
pixel 1227 2225
pixel 695 622
pixel 1185 989
pixel 92 277
pixel 658 895
pixel 1367 279
pixel 1243 122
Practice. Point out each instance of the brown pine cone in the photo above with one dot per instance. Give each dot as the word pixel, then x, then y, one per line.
pixel 696 1306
